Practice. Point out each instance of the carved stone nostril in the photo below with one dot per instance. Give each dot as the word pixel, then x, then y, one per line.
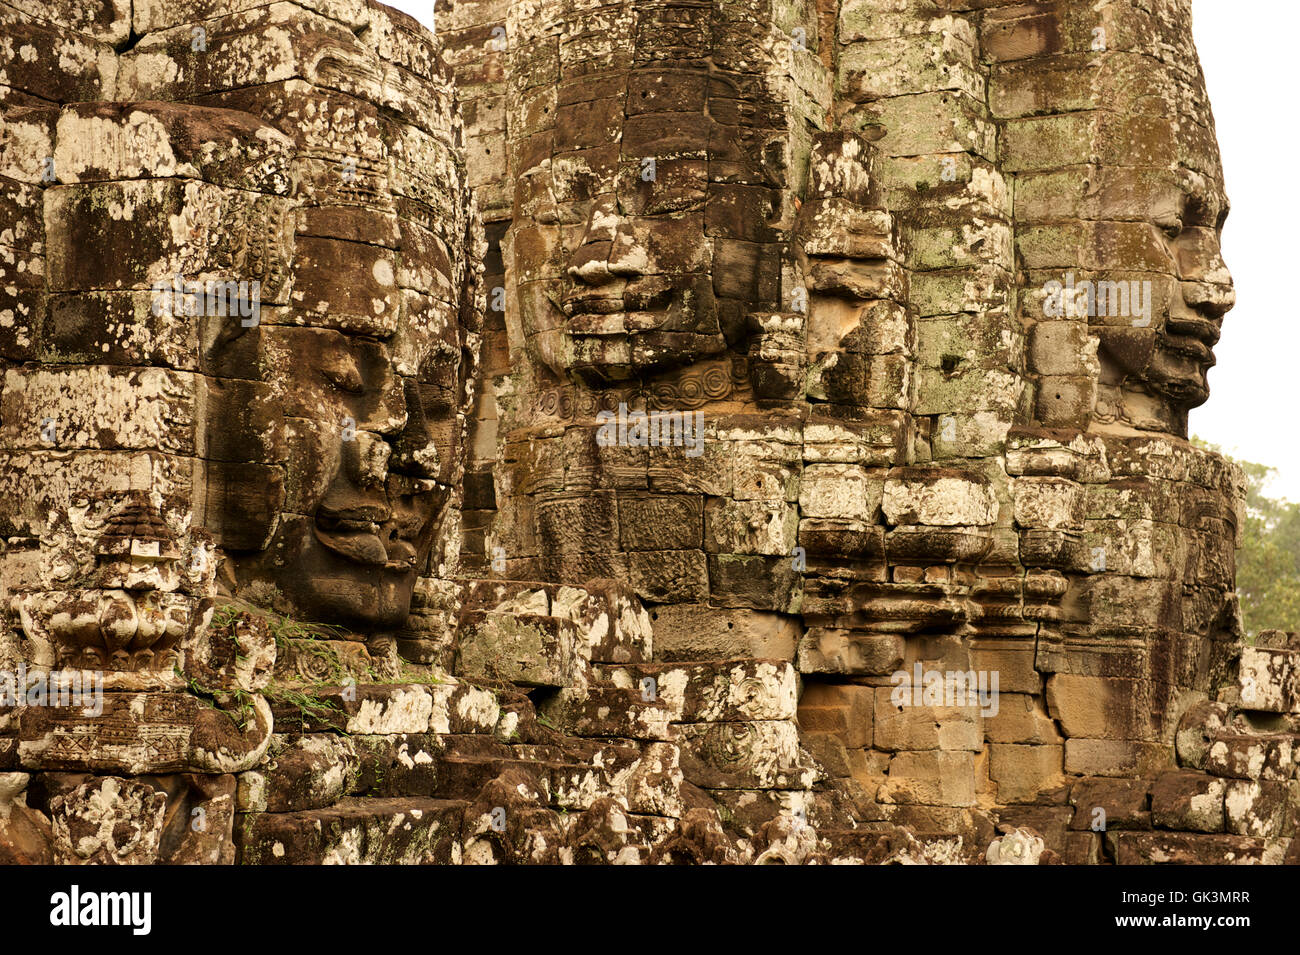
pixel 590 264
pixel 370 456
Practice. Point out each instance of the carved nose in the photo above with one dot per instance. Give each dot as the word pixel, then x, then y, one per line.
pixel 590 264
pixel 368 457
pixel 627 257
pixel 1203 277
pixel 1200 260
pixel 1210 298
pixel 389 414
pixel 598 263
pixel 415 452
pixel 609 250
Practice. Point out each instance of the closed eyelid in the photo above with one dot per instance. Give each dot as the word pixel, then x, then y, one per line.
pixel 1169 223
pixel 548 214
pixel 663 196
pixel 1203 211
pixel 342 372
pixel 677 188
pixel 574 186
pixel 677 201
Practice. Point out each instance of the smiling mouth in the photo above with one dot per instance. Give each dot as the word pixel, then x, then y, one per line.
pixel 1180 366
pixel 1188 343
pixel 364 542
pixel 592 305
pixel 1192 348
pixel 636 297
pixel 1197 328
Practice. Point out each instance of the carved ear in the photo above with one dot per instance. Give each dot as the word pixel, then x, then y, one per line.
pixel 228 349
pixel 1129 348
pixel 844 165
pixel 843 221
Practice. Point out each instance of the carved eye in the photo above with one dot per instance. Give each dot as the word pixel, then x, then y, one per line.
pixel 1202 212
pixel 1170 225
pixel 341 371
pixel 547 214
pixel 579 188
pixel 680 199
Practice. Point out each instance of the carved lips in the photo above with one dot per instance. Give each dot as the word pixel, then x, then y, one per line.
pixel 1185 355
pixel 366 535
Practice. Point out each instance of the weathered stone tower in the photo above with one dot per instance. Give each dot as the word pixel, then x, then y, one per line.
pixel 758 434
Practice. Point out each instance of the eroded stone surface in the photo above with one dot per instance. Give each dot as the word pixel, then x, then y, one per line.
pixel 635 434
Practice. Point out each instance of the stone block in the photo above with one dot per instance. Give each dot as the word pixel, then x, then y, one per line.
pixel 932 778
pixel 1188 801
pixel 1022 773
pixel 824 650
pixel 918 728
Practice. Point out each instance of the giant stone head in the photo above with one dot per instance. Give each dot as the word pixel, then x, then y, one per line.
pixel 963 262
pixel 260 305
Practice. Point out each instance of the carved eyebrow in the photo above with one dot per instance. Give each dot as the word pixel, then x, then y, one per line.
pixel 1204 200
pixel 573 172
pixel 670 199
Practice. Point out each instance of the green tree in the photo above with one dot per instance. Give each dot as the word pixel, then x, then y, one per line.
pixel 1268 563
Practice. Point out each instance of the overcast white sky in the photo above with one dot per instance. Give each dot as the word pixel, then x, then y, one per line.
pixel 1251 76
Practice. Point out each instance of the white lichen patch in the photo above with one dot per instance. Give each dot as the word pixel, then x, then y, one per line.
pixel 399 711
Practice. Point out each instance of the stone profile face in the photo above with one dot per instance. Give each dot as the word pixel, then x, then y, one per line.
pixel 1142 185
pixel 1184 349
pixel 241 350
pixel 1202 294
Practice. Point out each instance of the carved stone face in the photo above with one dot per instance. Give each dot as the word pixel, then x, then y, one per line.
pixel 331 423
pixel 646 194
pixel 366 366
pixel 366 490
pixel 1130 226
pixel 620 289
pixel 315 429
pixel 1169 345
pixel 1184 352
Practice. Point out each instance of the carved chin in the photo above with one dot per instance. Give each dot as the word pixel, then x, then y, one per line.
pixel 369 598
pixel 1180 377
